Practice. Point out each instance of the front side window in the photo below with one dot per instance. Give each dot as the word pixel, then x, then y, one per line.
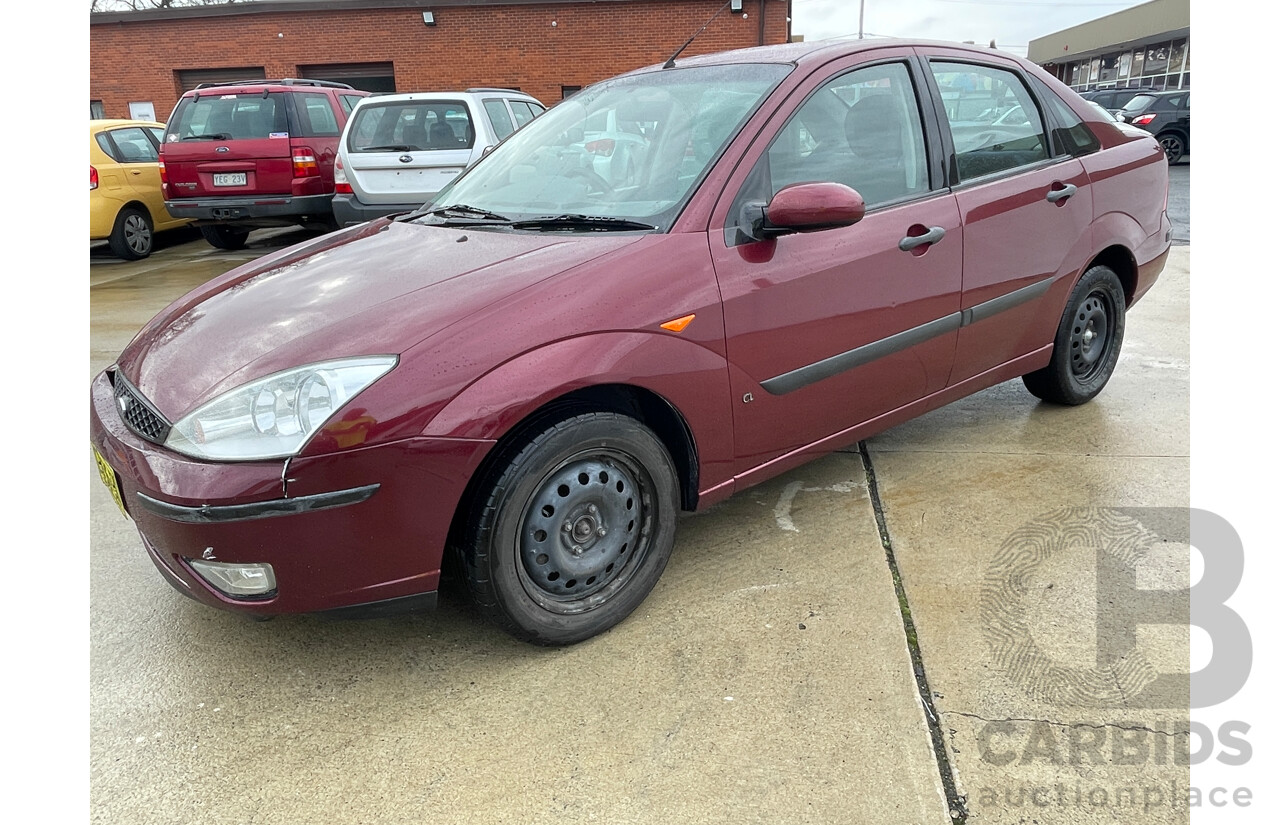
pixel 411 126
pixel 995 123
pixel 861 129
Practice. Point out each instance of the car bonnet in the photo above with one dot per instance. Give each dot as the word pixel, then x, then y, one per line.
pixel 379 288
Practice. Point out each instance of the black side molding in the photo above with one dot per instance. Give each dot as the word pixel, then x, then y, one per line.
pixel 260 509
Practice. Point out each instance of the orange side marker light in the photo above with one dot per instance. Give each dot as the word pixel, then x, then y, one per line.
pixel 679 324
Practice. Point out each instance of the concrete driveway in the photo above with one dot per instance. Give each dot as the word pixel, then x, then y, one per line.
pixel 852 642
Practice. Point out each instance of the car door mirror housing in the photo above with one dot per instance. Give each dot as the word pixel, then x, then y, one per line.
pixel 810 207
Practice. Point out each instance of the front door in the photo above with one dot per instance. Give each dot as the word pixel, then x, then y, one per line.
pixel 830 329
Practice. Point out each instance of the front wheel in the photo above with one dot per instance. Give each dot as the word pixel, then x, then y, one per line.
pixel 131 236
pixel 1087 345
pixel 573 530
pixel 224 237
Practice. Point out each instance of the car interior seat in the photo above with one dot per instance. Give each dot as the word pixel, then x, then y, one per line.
pixel 875 129
pixel 442 136
pixel 415 135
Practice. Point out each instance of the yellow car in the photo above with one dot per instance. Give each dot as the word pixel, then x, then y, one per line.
pixel 126 205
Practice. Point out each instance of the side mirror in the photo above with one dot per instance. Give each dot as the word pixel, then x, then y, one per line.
pixel 804 207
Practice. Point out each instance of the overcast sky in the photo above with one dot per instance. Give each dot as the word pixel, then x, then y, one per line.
pixel 1012 23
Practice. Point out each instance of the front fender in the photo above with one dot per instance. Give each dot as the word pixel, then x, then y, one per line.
pixel 691 378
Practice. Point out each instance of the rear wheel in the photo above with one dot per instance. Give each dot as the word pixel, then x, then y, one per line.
pixel 1173 145
pixel 131 237
pixel 224 237
pixel 572 531
pixel 1087 345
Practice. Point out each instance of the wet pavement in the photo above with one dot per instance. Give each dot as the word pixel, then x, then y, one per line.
pixel 825 647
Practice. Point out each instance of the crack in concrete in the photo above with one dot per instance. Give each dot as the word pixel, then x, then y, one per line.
pixel 956 810
pixel 1051 723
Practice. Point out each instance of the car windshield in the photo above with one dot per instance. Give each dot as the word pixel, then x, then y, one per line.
pixel 1138 103
pixel 677 122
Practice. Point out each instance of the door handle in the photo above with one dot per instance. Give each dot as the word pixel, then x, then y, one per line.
pixel 910 242
pixel 1062 194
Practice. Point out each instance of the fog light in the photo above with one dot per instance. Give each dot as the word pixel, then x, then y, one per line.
pixel 237 580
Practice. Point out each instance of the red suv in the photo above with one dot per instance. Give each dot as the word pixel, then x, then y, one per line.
pixel 240 156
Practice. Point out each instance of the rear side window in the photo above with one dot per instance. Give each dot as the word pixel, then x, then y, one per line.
pixel 522 111
pixel 411 126
pixel 316 115
pixel 128 145
pixel 1138 103
pixel 498 116
pixel 995 123
pixel 228 117
pixel 1070 134
pixel 349 102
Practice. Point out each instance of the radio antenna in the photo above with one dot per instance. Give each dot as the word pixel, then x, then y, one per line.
pixel 671 61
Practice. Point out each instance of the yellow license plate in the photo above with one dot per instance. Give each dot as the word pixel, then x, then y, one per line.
pixel 108 477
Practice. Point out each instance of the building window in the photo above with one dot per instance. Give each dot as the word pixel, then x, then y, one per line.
pixel 95 110
pixel 1176 55
pixel 1110 68
pixel 566 91
pixel 1157 61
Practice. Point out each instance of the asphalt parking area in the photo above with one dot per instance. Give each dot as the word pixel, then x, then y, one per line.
pixel 774 674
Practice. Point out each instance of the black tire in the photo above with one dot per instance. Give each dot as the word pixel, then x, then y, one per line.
pixel 535 558
pixel 1087 345
pixel 1173 145
pixel 224 237
pixel 132 236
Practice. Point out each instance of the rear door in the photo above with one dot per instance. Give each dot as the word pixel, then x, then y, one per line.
pixel 1025 204
pixel 405 151
pixel 226 143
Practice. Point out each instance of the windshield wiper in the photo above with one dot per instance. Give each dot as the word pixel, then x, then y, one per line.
pixel 210 136
pixel 461 210
pixel 390 147
pixel 595 223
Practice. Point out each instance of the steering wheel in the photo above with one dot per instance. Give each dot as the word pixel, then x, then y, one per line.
pixel 592 177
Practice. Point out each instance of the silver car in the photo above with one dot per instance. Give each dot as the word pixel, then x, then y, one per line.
pixel 398 151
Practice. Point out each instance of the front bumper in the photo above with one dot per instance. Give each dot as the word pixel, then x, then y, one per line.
pixel 359 527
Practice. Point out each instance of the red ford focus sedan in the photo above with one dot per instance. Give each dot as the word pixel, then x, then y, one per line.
pixel 538 369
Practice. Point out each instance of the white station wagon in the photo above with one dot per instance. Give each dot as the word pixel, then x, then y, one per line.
pixel 398 151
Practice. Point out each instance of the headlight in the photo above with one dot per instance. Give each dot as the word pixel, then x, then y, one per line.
pixel 274 416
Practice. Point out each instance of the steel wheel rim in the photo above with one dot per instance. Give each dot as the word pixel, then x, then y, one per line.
pixel 136 234
pixel 1093 327
pixel 585 531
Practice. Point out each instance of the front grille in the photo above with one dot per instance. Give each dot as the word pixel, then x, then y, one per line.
pixel 137 412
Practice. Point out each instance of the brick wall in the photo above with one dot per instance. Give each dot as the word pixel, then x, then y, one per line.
pixel 495 45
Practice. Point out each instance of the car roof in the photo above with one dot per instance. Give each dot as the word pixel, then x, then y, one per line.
pixel 111 123
pixel 458 95
pixel 819 51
